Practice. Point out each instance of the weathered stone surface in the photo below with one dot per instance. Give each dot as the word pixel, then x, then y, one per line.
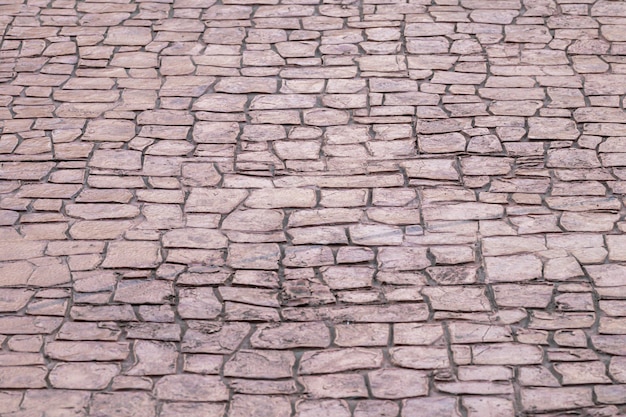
pixel 548 399
pixel 254 405
pixel 29 324
pixel 339 360
pixel 83 375
pixel 291 335
pixel 582 373
pixel 260 364
pixel 257 256
pixel 432 407
pixel 384 209
pixel 215 337
pixel 398 383
pixel 123 404
pixel 87 351
pixel 402 258
pixel 254 220
pixel 132 255
pixel 513 268
pixel 198 303
pixel 457 298
pixel 143 292
pixel 191 388
pixel 312 408
pixel 506 354
pixel 335 386
pixel 418 357
pixel 153 358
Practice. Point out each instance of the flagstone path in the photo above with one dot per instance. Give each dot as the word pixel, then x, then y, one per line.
pixel 312 208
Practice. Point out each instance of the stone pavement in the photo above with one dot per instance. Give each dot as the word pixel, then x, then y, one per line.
pixel 312 208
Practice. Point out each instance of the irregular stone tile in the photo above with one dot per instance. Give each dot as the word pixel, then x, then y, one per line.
pixel 512 268
pixel 537 376
pixel 609 394
pixel 398 383
pixel 488 406
pixel 402 258
pixel 335 386
pixel 214 337
pixel 431 407
pixel 255 220
pixel 607 274
pixel 156 331
pixel 457 298
pixel 94 211
pixel 153 358
pixel 123 312
pixel 123 404
pixel 328 361
pixel 239 85
pixel 291 335
pixel 475 387
pixel 562 268
pixel 257 256
pixel 380 408
pixel 497 246
pixel 554 321
pixel 29 324
pixel 260 364
pixel 83 375
pixel 109 130
pixel 13 300
pixel 364 334
pixel 194 238
pixel 87 351
pixel 617 247
pixel 609 325
pixel 418 357
pixel 375 235
pixel 193 409
pixel 322 408
pixel 258 406
pixel 263 387
pixel 143 292
pixel 198 303
pixel 298 150
pixel 323 235
pixel 280 198
pixel 325 117
pixel 55 399
pixel 191 388
pixel 307 256
pixel 220 103
pixel 452 275
pixel 613 345
pixel 12 250
pixel 461 332
pixel 463 211
pixel 214 200
pixel 506 354
pixel 87 331
pixel 549 399
pixel 523 295
pixel 485 373
pixel 22 377
pixel 132 255
pixel 116 159
pixel 582 373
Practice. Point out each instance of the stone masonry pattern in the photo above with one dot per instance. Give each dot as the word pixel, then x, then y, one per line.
pixel 312 208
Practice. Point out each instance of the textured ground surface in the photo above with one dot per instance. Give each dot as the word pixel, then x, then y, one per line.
pixel 313 209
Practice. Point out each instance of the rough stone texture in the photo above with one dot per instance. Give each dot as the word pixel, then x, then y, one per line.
pixel 382 208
